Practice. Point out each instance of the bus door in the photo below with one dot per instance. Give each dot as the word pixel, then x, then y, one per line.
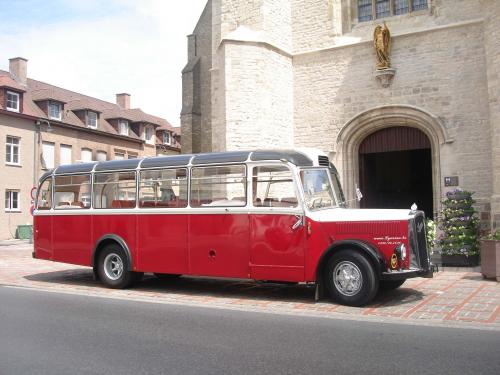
pixel 218 225
pixel 277 234
pixel 42 228
pixel 71 221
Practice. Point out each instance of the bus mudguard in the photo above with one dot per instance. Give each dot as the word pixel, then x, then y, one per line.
pixel 108 238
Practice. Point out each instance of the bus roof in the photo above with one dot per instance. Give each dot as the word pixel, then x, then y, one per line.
pixel 292 156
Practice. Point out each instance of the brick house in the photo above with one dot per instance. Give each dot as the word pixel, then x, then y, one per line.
pixel 44 126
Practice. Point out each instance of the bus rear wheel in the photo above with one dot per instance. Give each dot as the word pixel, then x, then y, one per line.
pixel 113 266
pixel 350 278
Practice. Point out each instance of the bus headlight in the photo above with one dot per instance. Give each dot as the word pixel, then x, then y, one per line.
pixel 400 251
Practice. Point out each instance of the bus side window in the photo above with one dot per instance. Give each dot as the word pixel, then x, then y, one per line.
pixel 272 186
pixel 221 186
pixel 44 199
pixel 72 191
pixel 114 190
pixel 164 188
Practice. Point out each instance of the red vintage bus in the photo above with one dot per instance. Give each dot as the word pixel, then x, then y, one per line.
pixel 263 215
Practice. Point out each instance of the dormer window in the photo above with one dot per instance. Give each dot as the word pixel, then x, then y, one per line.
pixel 123 127
pixel 166 138
pixel 13 99
pixel 55 111
pixel 148 135
pixel 92 119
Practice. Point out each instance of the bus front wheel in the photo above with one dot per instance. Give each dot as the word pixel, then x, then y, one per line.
pixel 350 278
pixel 113 268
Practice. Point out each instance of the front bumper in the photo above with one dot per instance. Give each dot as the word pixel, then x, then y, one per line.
pixel 407 274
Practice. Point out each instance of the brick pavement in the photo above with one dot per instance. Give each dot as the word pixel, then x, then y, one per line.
pixel 451 298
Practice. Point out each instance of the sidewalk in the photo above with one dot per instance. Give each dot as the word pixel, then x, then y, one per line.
pixel 451 298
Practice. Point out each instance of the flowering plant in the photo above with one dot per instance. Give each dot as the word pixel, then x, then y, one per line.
pixel 430 231
pixel 459 224
pixel 492 236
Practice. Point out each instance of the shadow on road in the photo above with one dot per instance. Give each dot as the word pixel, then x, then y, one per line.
pixel 220 288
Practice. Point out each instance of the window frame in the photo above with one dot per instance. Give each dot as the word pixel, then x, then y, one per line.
pixel 127 127
pixel 65 147
pixel 10 193
pixel 91 155
pixel 50 180
pixel 209 206
pixel 89 122
pixel 296 188
pixel 59 111
pixel 150 141
pixel 168 136
pixel 45 166
pixel 93 194
pixel 187 185
pixel 101 152
pixel 13 146
pixel 17 95
pixel 410 7
pixel 54 191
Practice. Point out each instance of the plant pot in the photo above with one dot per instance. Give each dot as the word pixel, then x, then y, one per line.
pixel 460 260
pixel 490 259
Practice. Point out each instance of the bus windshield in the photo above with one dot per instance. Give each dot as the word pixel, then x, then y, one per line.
pixel 318 190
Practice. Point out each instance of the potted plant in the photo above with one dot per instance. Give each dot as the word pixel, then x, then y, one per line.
pixel 490 256
pixel 459 227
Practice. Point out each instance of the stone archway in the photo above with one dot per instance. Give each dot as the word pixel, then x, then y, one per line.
pixel 361 126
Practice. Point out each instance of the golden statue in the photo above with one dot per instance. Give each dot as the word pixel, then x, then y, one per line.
pixel 382 42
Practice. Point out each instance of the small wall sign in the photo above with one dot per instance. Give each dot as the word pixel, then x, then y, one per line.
pixel 451 181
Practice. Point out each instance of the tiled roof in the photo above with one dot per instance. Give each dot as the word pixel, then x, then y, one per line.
pixel 7 81
pixel 36 91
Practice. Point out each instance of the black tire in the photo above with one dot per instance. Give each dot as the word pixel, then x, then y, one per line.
pixel 349 292
pixel 112 268
pixel 167 276
pixel 386 285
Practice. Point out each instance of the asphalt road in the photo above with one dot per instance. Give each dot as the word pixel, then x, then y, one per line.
pixel 49 333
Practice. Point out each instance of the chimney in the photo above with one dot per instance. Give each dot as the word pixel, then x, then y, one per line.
pixel 18 68
pixel 123 100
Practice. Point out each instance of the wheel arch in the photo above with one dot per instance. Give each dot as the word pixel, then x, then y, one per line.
pixel 107 240
pixel 373 255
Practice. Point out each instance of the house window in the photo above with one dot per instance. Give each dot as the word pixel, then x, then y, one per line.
pixel 12 101
pixel 55 110
pixel 166 138
pixel 102 156
pixel 373 9
pixel 47 155
pixel 86 155
pixel 92 120
pixel 132 155
pixel 119 156
pixel 65 154
pixel 123 125
pixel 148 134
pixel 12 150
pixel 12 200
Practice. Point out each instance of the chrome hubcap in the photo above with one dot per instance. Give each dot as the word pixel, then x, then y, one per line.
pixel 347 278
pixel 113 266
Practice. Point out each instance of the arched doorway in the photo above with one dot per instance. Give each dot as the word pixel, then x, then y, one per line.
pixel 395 169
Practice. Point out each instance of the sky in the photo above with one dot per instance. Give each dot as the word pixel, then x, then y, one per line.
pixel 101 48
